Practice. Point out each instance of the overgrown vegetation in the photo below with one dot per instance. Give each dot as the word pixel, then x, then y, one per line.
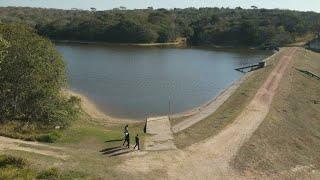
pixel 29 132
pixel 288 140
pixel 204 26
pixel 12 167
pixel 32 74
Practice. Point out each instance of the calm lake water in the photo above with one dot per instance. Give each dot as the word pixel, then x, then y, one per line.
pixel 135 82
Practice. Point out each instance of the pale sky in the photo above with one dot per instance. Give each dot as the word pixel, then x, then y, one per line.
pixel 303 5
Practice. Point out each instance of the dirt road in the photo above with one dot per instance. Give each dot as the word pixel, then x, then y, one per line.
pixel 210 159
pixel 33 147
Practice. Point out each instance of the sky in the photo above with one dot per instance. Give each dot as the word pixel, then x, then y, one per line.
pixel 302 5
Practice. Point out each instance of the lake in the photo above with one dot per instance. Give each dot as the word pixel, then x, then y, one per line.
pixel 136 82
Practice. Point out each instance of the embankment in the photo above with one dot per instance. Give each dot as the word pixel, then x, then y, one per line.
pixel 195 115
pixel 287 142
pixel 225 114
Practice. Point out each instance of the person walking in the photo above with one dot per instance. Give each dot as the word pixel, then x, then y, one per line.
pixel 126 129
pixel 127 139
pixel 137 142
pixel 125 134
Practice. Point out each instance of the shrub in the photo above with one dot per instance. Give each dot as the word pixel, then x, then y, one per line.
pixel 7 160
pixel 52 173
pixel 49 138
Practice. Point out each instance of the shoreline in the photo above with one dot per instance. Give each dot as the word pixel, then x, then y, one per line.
pixel 90 108
pixel 177 44
pixel 93 110
pixel 227 90
pixel 202 112
pixel 168 44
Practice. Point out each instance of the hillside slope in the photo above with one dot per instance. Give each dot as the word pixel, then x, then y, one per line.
pixel 288 141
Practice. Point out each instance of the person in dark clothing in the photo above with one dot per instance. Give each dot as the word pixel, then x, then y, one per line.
pixel 127 139
pixel 126 128
pixel 137 142
pixel 125 132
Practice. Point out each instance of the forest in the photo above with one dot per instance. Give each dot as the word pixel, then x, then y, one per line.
pixel 204 26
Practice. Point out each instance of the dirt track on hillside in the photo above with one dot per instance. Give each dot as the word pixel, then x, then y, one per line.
pixel 210 159
pixel 33 147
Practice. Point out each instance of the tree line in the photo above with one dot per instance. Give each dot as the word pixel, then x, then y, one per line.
pixel 204 26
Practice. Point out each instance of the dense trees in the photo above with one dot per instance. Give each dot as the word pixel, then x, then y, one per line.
pixel 204 26
pixel 32 74
pixel 127 31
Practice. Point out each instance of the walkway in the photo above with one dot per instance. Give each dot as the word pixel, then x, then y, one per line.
pixel 161 137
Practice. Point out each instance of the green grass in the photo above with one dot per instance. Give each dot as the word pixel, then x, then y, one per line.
pixel 227 112
pixel 55 173
pixel 290 134
pixel 86 128
pixel 82 141
pixel 28 132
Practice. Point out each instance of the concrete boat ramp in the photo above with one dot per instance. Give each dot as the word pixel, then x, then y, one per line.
pixel 160 136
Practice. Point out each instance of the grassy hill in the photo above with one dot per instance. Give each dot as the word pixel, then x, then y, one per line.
pixel 288 141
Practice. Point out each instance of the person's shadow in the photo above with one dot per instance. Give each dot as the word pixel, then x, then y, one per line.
pixel 114 140
pixel 112 150
pixel 116 150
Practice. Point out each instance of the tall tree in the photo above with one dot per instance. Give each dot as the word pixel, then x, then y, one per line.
pixel 32 74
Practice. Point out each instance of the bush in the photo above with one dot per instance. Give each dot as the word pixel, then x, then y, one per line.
pixel 29 131
pixel 11 161
pixel 52 173
pixel 49 138
pixel 16 173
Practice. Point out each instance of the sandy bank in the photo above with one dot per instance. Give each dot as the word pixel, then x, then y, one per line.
pixel 92 110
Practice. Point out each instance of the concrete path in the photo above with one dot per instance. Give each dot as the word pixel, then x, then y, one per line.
pixel 161 137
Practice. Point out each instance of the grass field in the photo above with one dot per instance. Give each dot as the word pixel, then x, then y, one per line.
pixel 85 142
pixel 289 137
